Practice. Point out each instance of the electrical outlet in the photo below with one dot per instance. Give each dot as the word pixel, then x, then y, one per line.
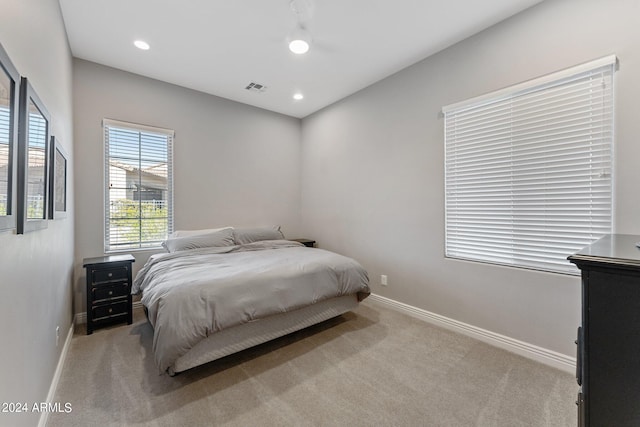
pixel 57 335
pixel 383 279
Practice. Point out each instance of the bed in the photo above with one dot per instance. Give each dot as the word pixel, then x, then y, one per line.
pixel 216 292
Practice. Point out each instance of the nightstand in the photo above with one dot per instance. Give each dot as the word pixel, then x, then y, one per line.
pixel 307 242
pixel 108 290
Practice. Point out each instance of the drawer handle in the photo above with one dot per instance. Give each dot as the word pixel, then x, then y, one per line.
pixel 110 310
pixel 110 293
pixel 110 274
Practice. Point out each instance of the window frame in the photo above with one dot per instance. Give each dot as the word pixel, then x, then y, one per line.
pixel 501 108
pixel 139 128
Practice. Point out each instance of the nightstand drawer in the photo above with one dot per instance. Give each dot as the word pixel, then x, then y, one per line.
pixel 110 310
pixel 107 275
pixel 109 292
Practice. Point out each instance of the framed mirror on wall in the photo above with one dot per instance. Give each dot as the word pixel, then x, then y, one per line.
pixel 9 96
pixel 33 161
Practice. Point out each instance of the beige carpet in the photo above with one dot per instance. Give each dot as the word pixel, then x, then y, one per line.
pixel 371 367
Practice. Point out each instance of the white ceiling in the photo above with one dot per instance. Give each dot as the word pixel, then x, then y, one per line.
pixel 220 46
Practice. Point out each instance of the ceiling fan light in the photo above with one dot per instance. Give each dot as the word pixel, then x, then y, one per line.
pixel 299 41
pixel 141 44
pixel 298 47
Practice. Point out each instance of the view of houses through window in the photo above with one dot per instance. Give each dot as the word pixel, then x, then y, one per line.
pixel 138 187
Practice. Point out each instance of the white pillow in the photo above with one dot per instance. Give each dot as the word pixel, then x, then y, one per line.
pixel 186 233
pixel 222 237
pixel 249 235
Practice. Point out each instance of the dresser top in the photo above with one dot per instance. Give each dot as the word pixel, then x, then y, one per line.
pixel 618 249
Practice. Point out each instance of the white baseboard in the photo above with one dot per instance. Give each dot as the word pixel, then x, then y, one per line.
pixel 44 415
pixel 78 319
pixel 81 318
pixel 530 351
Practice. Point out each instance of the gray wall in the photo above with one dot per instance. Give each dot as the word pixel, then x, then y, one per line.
pixel 233 164
pixel 36 268
pixel 372 177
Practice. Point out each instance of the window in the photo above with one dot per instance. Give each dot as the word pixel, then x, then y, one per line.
pixel 528 170
pixel 138 185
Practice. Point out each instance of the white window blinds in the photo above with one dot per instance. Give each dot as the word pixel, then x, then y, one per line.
pixel 528 170
pixel 138 185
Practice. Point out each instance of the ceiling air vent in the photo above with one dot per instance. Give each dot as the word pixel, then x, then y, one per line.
pixel 256 87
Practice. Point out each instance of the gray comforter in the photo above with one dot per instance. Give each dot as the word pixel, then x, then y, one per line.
pixel 193 294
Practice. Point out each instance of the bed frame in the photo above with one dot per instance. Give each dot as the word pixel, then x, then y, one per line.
pixel 247 335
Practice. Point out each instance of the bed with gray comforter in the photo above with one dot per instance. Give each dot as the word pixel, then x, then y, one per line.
pixel 192 294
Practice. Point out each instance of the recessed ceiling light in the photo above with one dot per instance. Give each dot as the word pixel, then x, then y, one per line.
pixel 140 44
pixel 298 96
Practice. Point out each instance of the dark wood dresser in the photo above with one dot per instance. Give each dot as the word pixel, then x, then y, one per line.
pixel 108 290
pixel 608 356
